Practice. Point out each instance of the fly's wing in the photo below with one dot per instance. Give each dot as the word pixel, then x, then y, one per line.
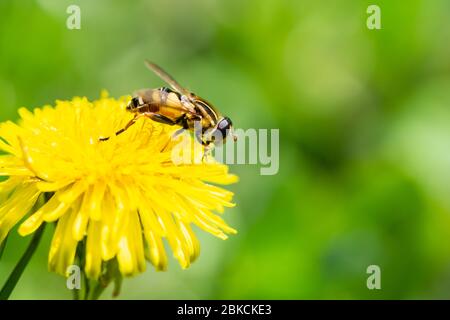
pixel 145 94
pixel 167 78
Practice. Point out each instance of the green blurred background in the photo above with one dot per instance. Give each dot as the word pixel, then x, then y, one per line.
pixel 364 119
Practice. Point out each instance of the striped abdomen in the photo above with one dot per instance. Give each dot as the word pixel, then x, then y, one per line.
pixel 163 101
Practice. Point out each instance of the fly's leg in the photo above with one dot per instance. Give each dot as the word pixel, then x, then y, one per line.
pixel 159 118
pixel 198 134
pixel 183 122
pixel 154 116
pixel 208 146
pixel 129 124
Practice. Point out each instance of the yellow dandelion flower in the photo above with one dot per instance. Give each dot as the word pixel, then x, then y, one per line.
pixel 121 197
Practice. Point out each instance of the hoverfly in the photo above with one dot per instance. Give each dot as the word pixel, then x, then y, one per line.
pixel 178 106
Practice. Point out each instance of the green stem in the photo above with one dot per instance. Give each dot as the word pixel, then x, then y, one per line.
pixel 97 289
pixel 2 247
pixel 110 274
pixel 21 265
pixel 76 294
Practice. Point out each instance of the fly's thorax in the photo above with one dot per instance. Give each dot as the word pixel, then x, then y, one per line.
pixel 207 111
pixel 207 125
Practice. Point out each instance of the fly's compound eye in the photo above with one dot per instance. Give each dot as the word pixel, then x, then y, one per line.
pixel 224 127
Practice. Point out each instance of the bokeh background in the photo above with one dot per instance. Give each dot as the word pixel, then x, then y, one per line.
pixel 364 119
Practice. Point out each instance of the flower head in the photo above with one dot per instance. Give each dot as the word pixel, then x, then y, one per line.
pixel 120 198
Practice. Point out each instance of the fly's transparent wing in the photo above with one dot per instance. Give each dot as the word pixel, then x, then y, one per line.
pixel 167 78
